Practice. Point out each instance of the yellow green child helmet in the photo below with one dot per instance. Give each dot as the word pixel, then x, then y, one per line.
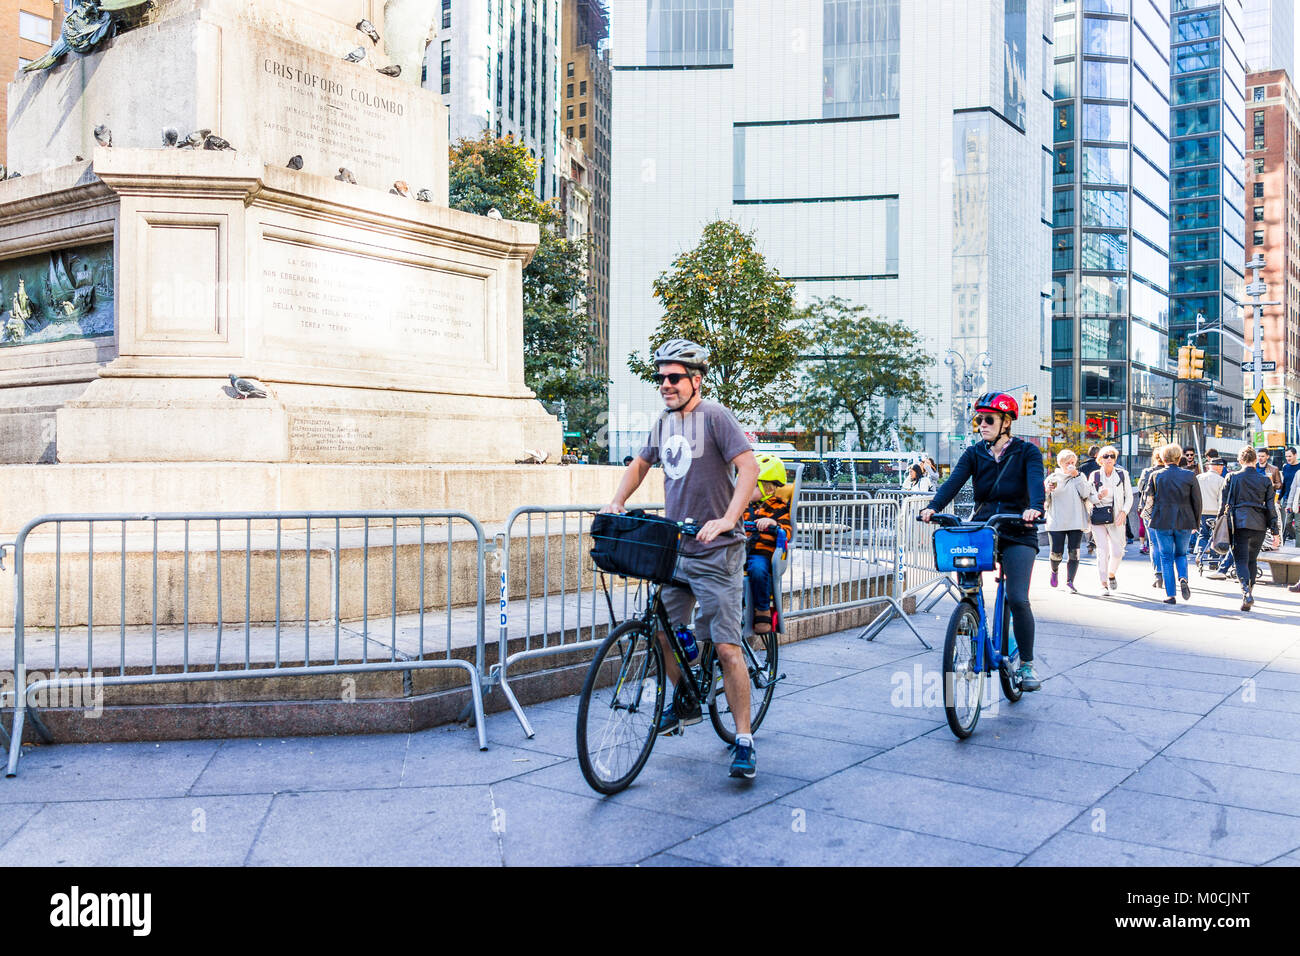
pixel 770 468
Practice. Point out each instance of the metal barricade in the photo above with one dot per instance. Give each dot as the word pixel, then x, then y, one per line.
pixel 917 575
pixel 112 601
pixel 550 592
pixel 845 556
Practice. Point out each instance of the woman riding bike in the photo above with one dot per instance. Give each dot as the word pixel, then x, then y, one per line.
pixel 1007 474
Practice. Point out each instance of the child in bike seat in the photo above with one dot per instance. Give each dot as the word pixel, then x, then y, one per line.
pixel 768 513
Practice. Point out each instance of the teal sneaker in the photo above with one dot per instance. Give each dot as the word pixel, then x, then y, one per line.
pixel 1027 677
pixel 678 715
pixel 744 762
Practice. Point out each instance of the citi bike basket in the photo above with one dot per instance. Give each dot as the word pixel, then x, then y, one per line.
pixel 971 648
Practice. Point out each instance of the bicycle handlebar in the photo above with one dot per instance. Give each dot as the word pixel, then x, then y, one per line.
pixel 947 520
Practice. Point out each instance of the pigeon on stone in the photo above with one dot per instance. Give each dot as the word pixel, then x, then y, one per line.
pixel 345 176
pixel 14 176
pixel 532 458
pixel 494 213
pixel 212 141
pixel 295 162
pixel 195 139
pixel 357 55
pixel 368 28
pixel 401 189
pixel 170 136
pixel 424 196
pixel 247 387
pixel 394 70
pixel 103 135
pixel 78 159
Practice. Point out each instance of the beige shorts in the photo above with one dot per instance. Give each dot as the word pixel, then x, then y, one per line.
pixel 716 580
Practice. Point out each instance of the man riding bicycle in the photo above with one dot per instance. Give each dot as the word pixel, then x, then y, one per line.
pixel 1007 474
pixel 697 441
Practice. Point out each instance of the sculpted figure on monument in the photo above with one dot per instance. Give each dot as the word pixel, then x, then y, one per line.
pixel 84 29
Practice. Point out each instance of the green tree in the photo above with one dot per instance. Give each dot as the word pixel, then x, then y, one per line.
pixel 489 173
pixel 722 295
pixel 853 363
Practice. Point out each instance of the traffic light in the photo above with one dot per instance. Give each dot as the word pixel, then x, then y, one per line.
pixel 1185 361
pixel 1197 362
pixel 1027 403
pixel 1218 431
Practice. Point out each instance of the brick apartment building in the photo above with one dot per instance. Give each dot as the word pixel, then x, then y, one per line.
pixel 1273 229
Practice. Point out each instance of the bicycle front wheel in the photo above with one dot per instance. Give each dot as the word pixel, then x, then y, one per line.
pixel 760 662
pixel 619 710
pixel 963 685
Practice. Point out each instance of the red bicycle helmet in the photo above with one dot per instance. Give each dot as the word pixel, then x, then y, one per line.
pixel 998 402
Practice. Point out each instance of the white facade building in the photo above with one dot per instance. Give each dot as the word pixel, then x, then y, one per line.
pixel 497 65
pixel 895 154
pixel 1269 26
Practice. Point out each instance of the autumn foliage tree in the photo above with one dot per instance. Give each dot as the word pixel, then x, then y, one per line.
pixel 852 365
pixel 723 295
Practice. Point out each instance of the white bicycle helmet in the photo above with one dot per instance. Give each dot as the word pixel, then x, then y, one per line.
pixel 684 352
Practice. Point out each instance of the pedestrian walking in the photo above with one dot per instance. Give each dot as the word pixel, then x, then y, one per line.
pixel 1111 495
pixel 1150 545
pixel 1251 510
pixel 1211 481
pixel 1293 511
pixel 1175 515
pixel 918 481
pixel 1066 496
pixel 1086 468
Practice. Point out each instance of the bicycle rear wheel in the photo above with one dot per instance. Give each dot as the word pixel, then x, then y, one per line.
pixel 760 660
pixel 963 685
pixel 619 710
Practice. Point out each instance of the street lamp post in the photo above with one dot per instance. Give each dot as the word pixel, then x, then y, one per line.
pixel 967 380
pixel 1256 290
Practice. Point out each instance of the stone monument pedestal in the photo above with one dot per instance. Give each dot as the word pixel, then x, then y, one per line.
pixel 385 329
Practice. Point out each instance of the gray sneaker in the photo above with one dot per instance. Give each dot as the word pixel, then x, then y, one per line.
pixel 1028 677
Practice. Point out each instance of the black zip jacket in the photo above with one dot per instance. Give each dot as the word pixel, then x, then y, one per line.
pixel 1019 489
pixel 1176 504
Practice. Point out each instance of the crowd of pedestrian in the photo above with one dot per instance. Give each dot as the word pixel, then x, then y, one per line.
pixel 1185 510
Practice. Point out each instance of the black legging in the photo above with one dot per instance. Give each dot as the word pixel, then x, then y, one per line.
pixel 1066 543
pixel 1018 565
pixel 1245 551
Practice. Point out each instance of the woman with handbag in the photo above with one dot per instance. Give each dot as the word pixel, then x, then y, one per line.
pixel 1067 515
pixel 1112 499
pixel 1250 510
pixel 1175 515
pixel 1144 513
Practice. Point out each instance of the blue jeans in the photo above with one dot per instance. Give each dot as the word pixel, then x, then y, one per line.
pixel 1203 536
pixel 1173 556
pixel 1155 549
pixel 759 569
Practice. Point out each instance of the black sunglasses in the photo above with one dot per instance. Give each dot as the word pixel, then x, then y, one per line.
pixel 985 420
pixel 672 377
pixel 1107 456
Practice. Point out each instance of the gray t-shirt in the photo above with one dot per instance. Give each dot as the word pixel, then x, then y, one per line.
pixel 696 450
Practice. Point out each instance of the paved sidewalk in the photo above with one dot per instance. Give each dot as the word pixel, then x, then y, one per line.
pixel 1162 736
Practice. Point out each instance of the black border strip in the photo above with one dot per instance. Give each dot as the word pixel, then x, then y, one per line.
pixel 989 109
pixel 812 199
pixel 807 122
pixel 692 66
pixel 887 275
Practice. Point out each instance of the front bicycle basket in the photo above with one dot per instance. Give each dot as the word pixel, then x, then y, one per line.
pixel 964 549
pixel 635 545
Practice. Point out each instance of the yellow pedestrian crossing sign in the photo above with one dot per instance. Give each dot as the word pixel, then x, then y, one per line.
pixel 1262 407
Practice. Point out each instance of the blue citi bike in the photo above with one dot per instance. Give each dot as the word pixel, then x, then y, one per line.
pixel 971 649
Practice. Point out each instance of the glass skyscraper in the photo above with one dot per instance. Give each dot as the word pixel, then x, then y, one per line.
pixel 1207 253
pixel 1110 221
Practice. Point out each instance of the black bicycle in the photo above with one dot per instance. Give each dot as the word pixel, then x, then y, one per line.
pixel 623 695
